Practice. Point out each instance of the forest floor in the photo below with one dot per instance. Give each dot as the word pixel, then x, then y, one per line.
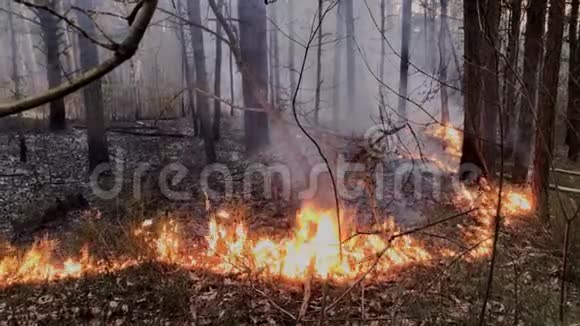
pixel 442 291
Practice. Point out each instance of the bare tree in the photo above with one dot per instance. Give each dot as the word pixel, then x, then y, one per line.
pixel 533 49
pixel 510 71
pixel 187 71
pixel 337 65
pixel 49 26
pixel 546 115
pixel 350 62
pixel 231 66
pixel 254 54
pixel 92 94
pixel 276 60
pixel 318 63
pixel 407 16
pixel 203 109
pixel 382 103
pixel 217 108
pixel 443 62
pixel 16 78
pixel 489 16
pixel 291 46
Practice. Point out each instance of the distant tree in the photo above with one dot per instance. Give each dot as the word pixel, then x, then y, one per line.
pixel 291 46
pixel 443 62
pixel 275 70
pixel 510 73
pixel 187 70
pixel 194 12
pixel 254 54
pixel 407 16
pixel 533 49
pixel 217 105
pixel 50 32
pixel 382 100
pixel 231 68
pixel 16 76
pixel 546 114
pixel 318 63
pixel 92 94
pixel 337 64
pixel 350 56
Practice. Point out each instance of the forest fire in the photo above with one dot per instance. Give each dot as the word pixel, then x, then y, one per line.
pixel 311 250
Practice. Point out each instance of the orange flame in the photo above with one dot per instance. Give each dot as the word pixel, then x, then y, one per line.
pixel 314 247
pixel 451 136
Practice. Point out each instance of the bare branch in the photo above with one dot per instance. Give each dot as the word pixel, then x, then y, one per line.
pixel 124 52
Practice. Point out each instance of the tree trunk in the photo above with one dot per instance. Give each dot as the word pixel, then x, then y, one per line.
pixel 14 53
pixel 49 26
pixel 471 149
pixel 231 64
pixel 443 63
pixel 16 78
pixel 254 52
pixel 134 66
pixel 382 100
pixel 573 116
pixel 432 42
pixel 92 94
pixel 217 105
pixel 490 16
pixel 404 68
pixel 186 69
pixel 511 69
pixel 337 66
pixel 546 115
pixel 533 49
pixel 350 59
pixel 318 64
pixel 194 12
pixel 276 72
pixel 291 47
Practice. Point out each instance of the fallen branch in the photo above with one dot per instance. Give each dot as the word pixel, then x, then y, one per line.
pixel 151 134
pixel 131 131
pixel 12 175
pixel 568 172
pixel 565 189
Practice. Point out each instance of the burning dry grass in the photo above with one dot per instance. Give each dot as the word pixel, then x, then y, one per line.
pixel 311 249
